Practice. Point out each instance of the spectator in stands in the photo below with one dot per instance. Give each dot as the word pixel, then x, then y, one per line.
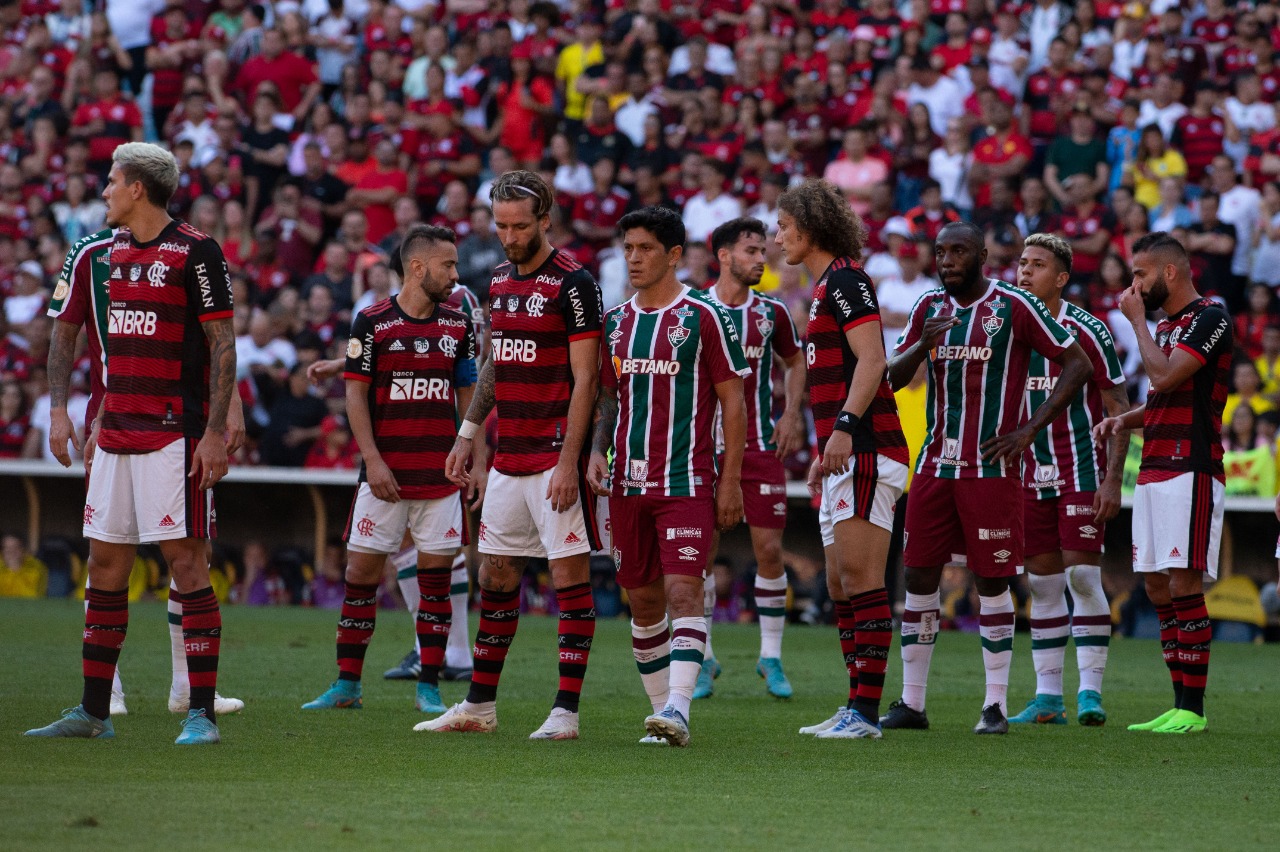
pixel 1035 215
pixel 1005 153
pixel 1211 243
pixel 28 297
pixel 22 575
pixel 1078 152
pixel 949 165
pixel 1171 212
pixel 897 294
pixel 14 422
pixel 299 227
pixel 1154 161
pixel 479 253
pixel 294 422
pixel 1246 114
pixel 264 149
pixel 1087 226
pixel 335 275
pixel 377 191
pixel 1252 323
pixel 335 449
pixel 328 588
pixel 107 121
pixel 1240 206
pixel 854 172
pixel 293 76
pixel 1266 256
pixel 712 206
pixel 1246 386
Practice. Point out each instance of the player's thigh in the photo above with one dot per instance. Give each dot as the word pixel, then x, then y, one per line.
pixel 436 525
pixel 862 552
pixel 635 550
pixel 683 527
pixel 364 569
pixel 1077 529
pixel 766 543
pixel 375 526
pixel 560 534
pixel 1040 527
pixel 507 526
pixel 109 512
pixel 110 564
pixel 764 491
pixel 169 504
pixel 932 530
pixel 1181 520
pixel 991 517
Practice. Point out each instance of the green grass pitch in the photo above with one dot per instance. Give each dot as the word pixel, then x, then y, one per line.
pixel 285 779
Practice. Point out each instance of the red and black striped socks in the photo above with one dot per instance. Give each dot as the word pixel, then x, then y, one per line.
pixel 106 619
pixel 1169 648
pixel 577 629
pixel 848 646
pixel 873 632
pixel 1194 634
pixel 202 638
pixel 499 618
pixel 355 628
pixel 433 621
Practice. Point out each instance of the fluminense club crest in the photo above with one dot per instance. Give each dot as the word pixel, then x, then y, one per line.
pixel 992 323
pixel 677 334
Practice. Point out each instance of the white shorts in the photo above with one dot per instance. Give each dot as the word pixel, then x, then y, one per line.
pixel 517 519
pixel 376 526
pixel 1178 524
pixel 870 494
pixel 134 499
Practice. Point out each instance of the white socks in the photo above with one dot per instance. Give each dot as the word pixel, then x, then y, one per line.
pixel 180 684
pixel 709 608
pixel 688 644
pixel 457 653
pixel 919 630
pixel 995 624
pixel 651 646
pixel 771 607
pixel 1090 624
pixel 1050 627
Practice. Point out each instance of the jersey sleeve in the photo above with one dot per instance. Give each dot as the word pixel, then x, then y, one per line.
pixel 1208 335
pixel 608 374
pixel 360 352
pixel 1100 346
pixel 208 282
pixel 786 342
pixel 851 298
pixel 722 347
pixel 582 305
pixel 914 328
pixel 71 296
pixel 464 367
pixel 1033 325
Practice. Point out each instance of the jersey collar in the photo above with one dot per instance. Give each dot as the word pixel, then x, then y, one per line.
pixel 955 306
pixel 684 291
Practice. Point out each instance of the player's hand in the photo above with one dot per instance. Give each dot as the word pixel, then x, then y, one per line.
pixel 382 482
pixel 1278 507
pixel 91 442
pixel 1107 428
pixel 728 503
pixel 788 433
pixel 209 462
pixel 60 431
pixel 814 477
pixel 1132 306
pixel 835 457
pixel 562 490
pixel 935 327
pixel 598 474
pixel 455 466
pixel 1007 448
pixel 321 371
pixel 235 425
pixel 1106 501
pixel 479 483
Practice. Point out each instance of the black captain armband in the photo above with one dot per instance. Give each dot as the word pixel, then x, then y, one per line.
pixel 847 422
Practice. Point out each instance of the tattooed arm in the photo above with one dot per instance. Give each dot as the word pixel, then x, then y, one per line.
pixel 482 402
pixel 62 353
pixel 209 462
pixel 606 422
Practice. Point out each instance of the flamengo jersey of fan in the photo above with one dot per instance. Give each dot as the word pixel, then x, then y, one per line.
pixel 412 367
pixel 664 366
pixel 160 292
pixel 80 298
pixel 765 328
pixel 1182 428
pixel 844 298
pixel 975 374
pixel 1064 458
pixel 533 319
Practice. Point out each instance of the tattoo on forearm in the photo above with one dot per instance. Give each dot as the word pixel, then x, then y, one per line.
pixel 485 397
pixel 62 350
pixel 606 420
pixel 222 371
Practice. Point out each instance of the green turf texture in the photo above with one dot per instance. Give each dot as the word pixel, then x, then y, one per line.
pixel 285 779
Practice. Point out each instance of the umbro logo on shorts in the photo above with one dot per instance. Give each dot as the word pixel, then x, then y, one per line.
pixel 572 538
pixel 167 521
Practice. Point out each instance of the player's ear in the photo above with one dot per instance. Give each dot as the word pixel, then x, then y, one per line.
pixel 674 255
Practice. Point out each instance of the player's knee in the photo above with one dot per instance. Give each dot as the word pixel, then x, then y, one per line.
pixel 1084 580
pixel 684 600
pixel 990 587
pixel 500 573
pixel 1157 587
pixel 769 559
pixel 1184 583
pixel 922 581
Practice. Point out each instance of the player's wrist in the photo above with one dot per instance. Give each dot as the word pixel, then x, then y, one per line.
pixel 847 422
pixel 468 430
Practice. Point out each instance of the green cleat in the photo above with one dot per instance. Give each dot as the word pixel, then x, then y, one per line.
pixel 1154 723
pixel 428 700
pixel 1089 710
pixel 76 722
pixel 198 730
pixel 1044 709
pixel 341 695
pixel 770 668
pixel 705 687
pixel 1184 722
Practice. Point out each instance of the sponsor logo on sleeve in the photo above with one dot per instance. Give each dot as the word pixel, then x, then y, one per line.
pixel 354 349
pixel 61 290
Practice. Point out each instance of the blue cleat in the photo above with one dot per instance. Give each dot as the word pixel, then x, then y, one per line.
pixel 668 724
pixel 75 722
pixel 342 695
pixel 1089 710
pixel 1042 710
pixel 428 700
pixel 705 687
pixel 770 668
pixel 198 730
pixel 852 726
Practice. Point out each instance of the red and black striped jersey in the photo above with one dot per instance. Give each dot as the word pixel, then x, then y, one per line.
pixel 532 319
pixel 160 292
pixel 845 298
pixel 1182 428
pixel 412 367
pixel 1199 140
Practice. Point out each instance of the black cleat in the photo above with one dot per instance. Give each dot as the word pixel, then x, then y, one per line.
pixel 406 669
pixel 455 673
pixel 904 717
pixel 992 721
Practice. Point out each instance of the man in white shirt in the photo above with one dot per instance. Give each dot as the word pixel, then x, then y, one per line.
pixel 1162 108
pixel 1240 206
pixel 1044 22
pixel 630 117
pixel 711 207
pixel 1248 115
pixel 942 95
pixel 897 294
pixel 262 348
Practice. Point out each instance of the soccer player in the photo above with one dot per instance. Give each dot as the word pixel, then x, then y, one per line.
pixel 82 293
pixel 545 335
pixel 673 354
pixel 1178 502
pixel 764 326
pixel 978 335
pixel 860 467
pixel 158 445
pixel 410 369
pixel 1070 489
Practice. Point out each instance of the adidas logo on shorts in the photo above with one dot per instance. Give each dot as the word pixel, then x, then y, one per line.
pixel 452 533
pixel 841 505
pixel 167 521
pixel 396 346
pixel 572 538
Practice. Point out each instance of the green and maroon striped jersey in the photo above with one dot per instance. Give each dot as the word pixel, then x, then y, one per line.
pixel 664 365
pixel 80 298
pixel 1064 459
pixel 977 374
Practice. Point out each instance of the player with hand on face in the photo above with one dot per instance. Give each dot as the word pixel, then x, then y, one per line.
pixel 1070 490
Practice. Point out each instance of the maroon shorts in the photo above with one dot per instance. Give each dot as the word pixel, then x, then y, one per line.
pixel 981 518
pixel 764 489
pixel 1060 523
pixel 656 536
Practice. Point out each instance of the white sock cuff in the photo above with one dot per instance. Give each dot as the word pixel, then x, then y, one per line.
pixel 691 622
pixel 773 584
pixel 1002 602
pixel 648 632
pixel 924 603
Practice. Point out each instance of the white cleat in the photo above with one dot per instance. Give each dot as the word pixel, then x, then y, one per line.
pixel 221 706
pixel 652 740
pixel 560 725
pixel 823 726
pixel 118 707
pixel 852 726
pixel 458 720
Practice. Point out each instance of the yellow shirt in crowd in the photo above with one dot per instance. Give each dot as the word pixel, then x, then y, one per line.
pixel 28 580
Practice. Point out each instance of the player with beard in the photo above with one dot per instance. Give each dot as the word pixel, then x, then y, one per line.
pixel 1178 502
pixel 768 336
pixel 545 337
pixel 978 335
